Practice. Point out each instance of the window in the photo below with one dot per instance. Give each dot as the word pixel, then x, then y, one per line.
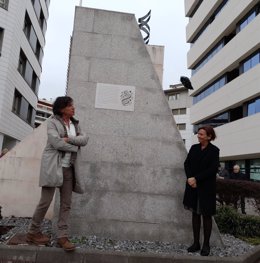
pixel 181 126
pixel 1 39
pixel 17 102
pixel 253 107
pixel 214 121
pixel 183 111
pixel 42 22
pixel 174 96
pixel 27 72
pixel 208 56
pixel 255 169
pixel 37 7
pixel 4 4
pixel 39 52
pixel 27 25
pixel 210 20
pixel 29 114
pixel 22 108
pixel 32 38
pixel 248 18
pixel 35 83
pixel 22 63
pixel 210 89
pixel 39 14
pixel 179 111
pixel 250 62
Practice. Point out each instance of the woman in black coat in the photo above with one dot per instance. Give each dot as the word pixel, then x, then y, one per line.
pixel 201 166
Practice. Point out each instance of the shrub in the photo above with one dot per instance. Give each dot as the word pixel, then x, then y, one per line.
pixel 231 222
pixel 229 191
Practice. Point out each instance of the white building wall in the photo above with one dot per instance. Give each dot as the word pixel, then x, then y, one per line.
pixel 239 139
pixel 184 101
pixel 188 132
pixel 12 20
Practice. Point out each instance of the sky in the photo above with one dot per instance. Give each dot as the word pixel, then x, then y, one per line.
pixel 167 23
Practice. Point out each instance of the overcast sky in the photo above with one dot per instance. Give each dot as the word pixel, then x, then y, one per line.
pixel 167 25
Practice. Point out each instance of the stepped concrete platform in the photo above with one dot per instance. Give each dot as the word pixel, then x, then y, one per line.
pixel 33 254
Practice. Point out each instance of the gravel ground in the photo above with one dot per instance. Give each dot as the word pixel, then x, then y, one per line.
pixel 232 245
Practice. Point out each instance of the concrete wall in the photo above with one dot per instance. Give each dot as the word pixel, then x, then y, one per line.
pixel 19 175
pixel 157 56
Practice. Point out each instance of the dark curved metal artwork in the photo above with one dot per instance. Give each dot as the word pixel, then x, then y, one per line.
pixel 143 25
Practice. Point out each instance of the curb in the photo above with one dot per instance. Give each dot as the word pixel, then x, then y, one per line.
pixel 32 254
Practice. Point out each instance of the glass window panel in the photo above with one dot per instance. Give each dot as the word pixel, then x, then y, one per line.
pixel 29 114
pixel 27 26
pixel 257 105
pixel 255 169
pixel 41 56
pixel 255 60
pixel 181 126
pixel 17 102
pixel 28 73
pixel 175 111
pixel 251 109
pixel 246 66
pixel 24 109
pixel 1 39
pixel 221 82
pixel 242 25
pixel 183 111
pixel 251 17
pixel 22 63
pixel 37 8
pixel 33 39
pixel 33 117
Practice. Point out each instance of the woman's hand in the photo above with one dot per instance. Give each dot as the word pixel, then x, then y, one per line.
pixel 192 182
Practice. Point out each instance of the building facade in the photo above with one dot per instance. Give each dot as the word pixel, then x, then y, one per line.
pixel 44 111
pixel 180 103
pixel 23 25
pixel 225 61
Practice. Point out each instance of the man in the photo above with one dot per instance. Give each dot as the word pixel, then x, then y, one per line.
pixel 222 172
pixel 238 175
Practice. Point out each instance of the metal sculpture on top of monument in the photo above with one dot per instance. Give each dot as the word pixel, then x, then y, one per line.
pixel 143 25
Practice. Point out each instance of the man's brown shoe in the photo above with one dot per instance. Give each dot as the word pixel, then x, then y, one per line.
pixel 37 239
pixel 65 244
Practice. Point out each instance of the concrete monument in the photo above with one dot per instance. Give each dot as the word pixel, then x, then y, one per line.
pixel 133 162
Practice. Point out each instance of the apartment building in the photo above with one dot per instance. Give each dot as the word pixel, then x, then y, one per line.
pixel 224 57
pixel 23 25
pixel 180 103
pixel 43 112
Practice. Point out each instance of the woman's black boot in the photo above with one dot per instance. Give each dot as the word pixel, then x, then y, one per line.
pixel 193 248
pixel 205 250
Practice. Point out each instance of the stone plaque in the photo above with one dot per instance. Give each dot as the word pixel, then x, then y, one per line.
pixel 115 97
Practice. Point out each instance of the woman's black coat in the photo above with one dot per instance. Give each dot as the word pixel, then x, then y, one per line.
pixel 203 165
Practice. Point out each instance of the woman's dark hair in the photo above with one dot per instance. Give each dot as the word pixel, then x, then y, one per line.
pixel 209 131
pixel 61 103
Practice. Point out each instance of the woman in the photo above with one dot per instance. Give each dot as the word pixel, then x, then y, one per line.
pixel 201 166
pixel 59 168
